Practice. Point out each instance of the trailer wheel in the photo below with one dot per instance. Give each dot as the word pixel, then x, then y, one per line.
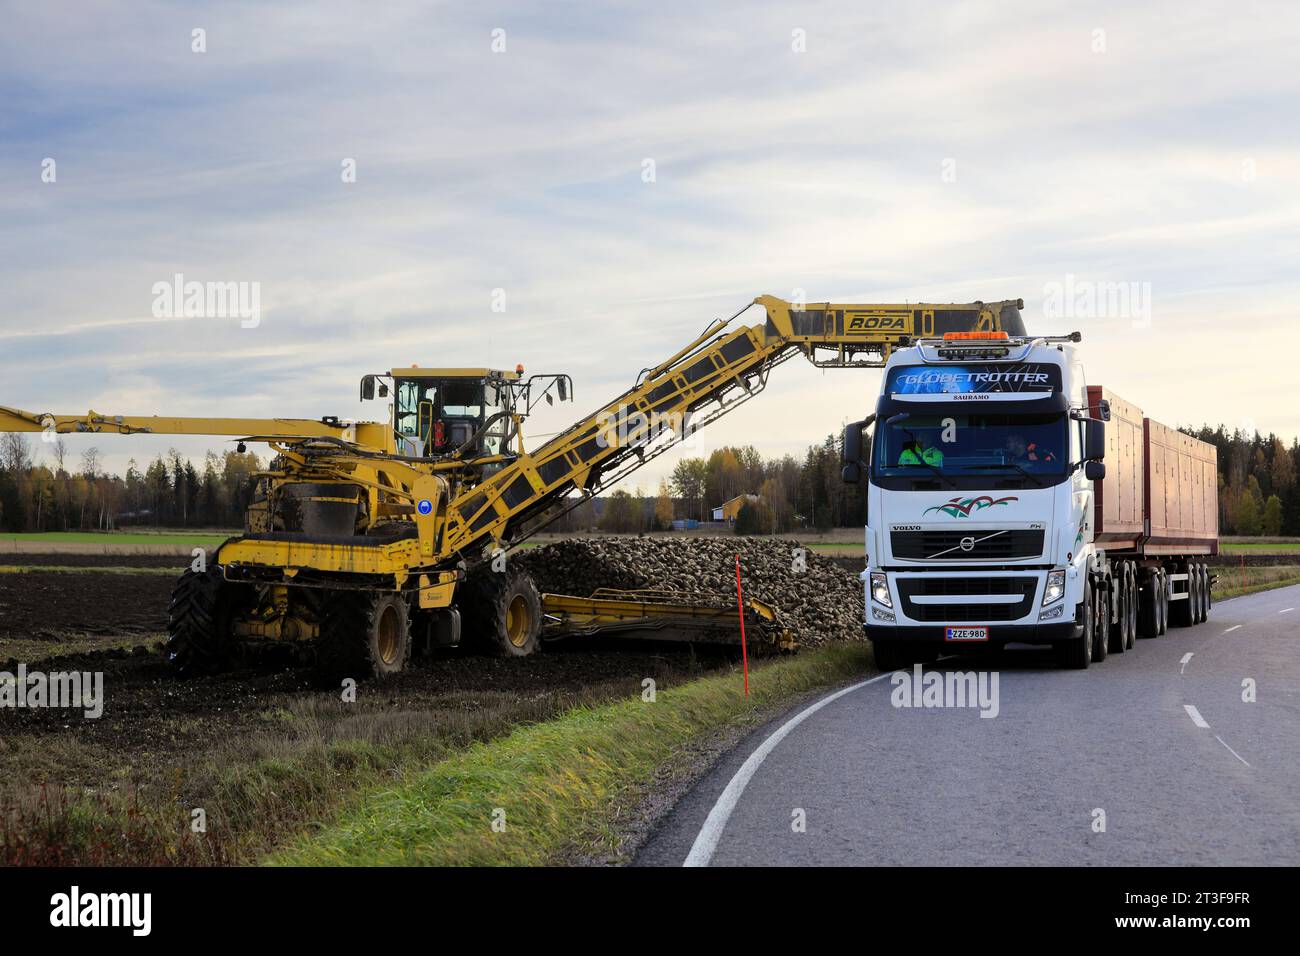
pixel 363 634
pixel 503 612
pixel 1076 655
pixel 1101 625
pixel 200 638
pixel 1148 617
pixel 1198 613
pixel 1162 580
pixel 1131 618
pixel 1181 612
pixel 1204 570
pixel 1209 592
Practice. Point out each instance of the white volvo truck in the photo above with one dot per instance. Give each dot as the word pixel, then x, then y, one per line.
pixel 1011 503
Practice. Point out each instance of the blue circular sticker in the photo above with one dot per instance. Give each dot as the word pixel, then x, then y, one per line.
pixel 425 506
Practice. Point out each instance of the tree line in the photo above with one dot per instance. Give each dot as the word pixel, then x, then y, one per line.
pixel 41 490
pixel 49 492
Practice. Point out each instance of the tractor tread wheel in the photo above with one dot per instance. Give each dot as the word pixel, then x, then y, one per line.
pixel 199 637
pixel 498 604
pixel 351 638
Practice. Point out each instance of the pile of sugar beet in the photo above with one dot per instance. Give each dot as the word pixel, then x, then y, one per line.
pixel 818 599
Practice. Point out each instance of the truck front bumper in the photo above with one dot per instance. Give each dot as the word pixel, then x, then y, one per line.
pixel 999 634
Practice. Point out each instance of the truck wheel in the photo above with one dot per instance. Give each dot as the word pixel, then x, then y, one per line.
pixel 1076 655
pixel 199 635
pixel 1118 642
pixel 1205 592
pixel 889 655
pixel 363 634
pixel 1101 627
pixel 1209 592
pixel 503 612
pixel 1148 622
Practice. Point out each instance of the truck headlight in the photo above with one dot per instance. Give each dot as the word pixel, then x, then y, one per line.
pixel 880 589
pixel 1055 589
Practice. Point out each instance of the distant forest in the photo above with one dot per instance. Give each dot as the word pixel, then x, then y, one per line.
pixel 41 490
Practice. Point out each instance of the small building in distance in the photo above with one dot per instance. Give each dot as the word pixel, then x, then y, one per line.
pixel 728 510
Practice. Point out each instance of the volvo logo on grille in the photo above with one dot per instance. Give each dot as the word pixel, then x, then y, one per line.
pixel 968 544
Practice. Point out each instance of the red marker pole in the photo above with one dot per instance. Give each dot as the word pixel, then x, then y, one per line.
pixel 740 603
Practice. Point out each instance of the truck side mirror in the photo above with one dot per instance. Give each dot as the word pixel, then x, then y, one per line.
pixel 563 389
pixel 1094 440
pixel 367 387
pixel 851 456
pixel 1094 470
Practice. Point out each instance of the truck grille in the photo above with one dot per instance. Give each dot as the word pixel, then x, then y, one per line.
pixel 946 545
pixel 968 611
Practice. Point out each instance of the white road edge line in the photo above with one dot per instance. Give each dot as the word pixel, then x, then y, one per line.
pixel 1231 751
pixel 706 842
pixel 1235 627
pixel 1186 657
pixel 1195 714
pixel 1286 610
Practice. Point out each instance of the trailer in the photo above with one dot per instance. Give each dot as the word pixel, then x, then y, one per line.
pixel 1155 521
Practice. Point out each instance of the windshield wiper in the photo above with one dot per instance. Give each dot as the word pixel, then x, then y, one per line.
pixel 1008 464
pixel 942 477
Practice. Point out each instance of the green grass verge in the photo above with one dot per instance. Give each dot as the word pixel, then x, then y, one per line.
pixel 560 786
pixel 1279 547
pixel 1234 582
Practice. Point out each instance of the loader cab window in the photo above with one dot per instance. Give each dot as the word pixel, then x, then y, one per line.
pixel 406 411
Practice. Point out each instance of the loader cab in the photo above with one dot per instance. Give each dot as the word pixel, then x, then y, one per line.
pixel 441 411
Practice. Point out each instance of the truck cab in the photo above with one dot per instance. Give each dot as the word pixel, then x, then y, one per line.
pixel 980 470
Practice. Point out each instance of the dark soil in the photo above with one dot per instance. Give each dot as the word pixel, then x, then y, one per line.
pixel 61 560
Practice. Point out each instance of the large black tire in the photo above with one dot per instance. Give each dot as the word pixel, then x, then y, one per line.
pixel 1182 613
pixel 1131 608
pixel 363 634
pixel 1149 606
pixel 1163 584
pixel 503 612
pixel 199 634
pixel 1209 592
pixel 1204 572
pixel 1101 627
pixel 1077 654
pixel 1118 642
pixel 889 655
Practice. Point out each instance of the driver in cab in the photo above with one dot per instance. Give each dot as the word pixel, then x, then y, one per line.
pixel 917 452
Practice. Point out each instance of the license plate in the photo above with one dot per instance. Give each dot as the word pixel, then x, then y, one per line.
pixel 966 634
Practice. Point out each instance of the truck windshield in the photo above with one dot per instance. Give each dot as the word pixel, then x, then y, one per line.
pixel 965 444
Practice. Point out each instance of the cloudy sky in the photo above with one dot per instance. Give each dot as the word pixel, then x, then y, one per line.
pixel 860 152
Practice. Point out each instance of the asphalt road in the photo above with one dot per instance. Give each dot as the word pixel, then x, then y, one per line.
pixel 876 784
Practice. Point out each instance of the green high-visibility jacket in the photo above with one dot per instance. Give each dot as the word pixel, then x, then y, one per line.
pixel 929 456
